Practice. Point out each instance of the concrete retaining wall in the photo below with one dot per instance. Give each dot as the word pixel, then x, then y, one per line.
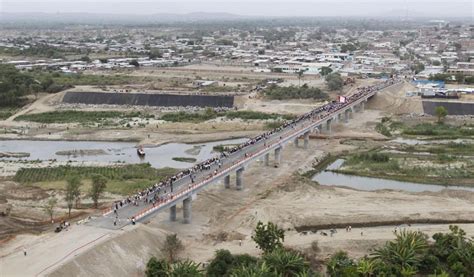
pixel 454 108
pixel 144 99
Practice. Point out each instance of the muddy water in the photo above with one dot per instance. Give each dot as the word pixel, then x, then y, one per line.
pixel 328 178
pixel 112 152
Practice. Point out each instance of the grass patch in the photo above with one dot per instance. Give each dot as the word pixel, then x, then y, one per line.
pixel 122 179
pixel 294 92
pixel 382 129
pixel 6 113
pixel 438 169
pixel 209 114
pixel 439 130
pixel 78 116
pixel 184 159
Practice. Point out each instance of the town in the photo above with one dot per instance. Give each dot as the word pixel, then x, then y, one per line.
pixel 218 144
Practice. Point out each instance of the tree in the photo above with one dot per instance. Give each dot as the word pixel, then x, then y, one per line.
pixel 224 262
pixel 99 184
pixel 49 207
pixel 134 63
pixel 268 237
pixel 285 263
pixel 186 269
pixel 404 255
pixel 334 81
pixel 340 265
pixel 157 268
pixel 441 112
pixel 14 85
pixel 325 70
pixel 73 192
pixel 300 75
pixel 256 270
pixel 221 264
pixel 172 247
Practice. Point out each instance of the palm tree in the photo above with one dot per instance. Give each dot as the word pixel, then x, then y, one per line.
pixel 366 267
pixel 285 263
pixel 186 269
pixel 404 254
pixel 253 270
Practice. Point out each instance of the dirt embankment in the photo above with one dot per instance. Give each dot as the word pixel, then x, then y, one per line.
pixel 394 100
pixel 125 255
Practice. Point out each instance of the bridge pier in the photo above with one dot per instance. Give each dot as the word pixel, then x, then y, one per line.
pixel 173 213
pixel 277 156
pixel 239 182
pixel 328 125
pixel 362 106
pixel 306 140
pixel 346 116
pixel 227 182
pixel 296 141
pixel 187 210
pixel 267 159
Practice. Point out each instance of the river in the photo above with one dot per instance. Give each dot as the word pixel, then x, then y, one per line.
pixel 112 152
pixel 328 178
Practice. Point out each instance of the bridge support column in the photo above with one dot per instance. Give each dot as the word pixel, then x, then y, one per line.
pixel 227 182
pixel 362 107
pixel 173 213
pixel 239 182
pixel 296 141
pixel 187 210
pixel 306 140
pixel 277 156
pixel 346 116
pixel 339 117
pixel 351 113
pixel 267 159
pixel 328 125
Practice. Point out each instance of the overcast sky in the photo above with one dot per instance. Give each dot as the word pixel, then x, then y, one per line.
pixel 447 8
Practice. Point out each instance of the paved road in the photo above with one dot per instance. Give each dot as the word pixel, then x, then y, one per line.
pixel 184 188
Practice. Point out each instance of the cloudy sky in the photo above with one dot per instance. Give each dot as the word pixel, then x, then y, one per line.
pixel 447 8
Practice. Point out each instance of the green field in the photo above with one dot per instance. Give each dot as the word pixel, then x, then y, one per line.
pixel 211 114
pixel 78 116
pixel 122 179
pixel 434 169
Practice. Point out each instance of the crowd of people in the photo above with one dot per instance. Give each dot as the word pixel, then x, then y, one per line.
pixel 164 190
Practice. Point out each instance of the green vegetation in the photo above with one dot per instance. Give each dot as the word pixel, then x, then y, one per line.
pixel 14 86
pixel 411 254
pixel 279 262
pixel 6 113
pixel 121 179
pixel 381 128
pixel 268 237
pixel 252 115
pixel 99 183
pixel 172 247
pixel 184 159
pixel 441 113
pixel 72 116
pixel 54 81
pixel 293 92
pixel 209 114
pixel 439 130
pixel 334 81
pixel 440 169
pixel 190 117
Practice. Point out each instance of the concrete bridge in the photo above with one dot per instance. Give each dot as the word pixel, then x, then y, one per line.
pixel 185 189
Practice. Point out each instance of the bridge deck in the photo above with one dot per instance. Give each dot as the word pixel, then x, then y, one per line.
pixel 184 188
